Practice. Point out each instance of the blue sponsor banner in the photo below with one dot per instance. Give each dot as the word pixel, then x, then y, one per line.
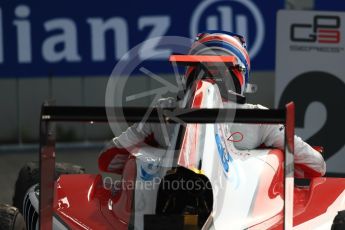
pixel 74 38
pixel 329 5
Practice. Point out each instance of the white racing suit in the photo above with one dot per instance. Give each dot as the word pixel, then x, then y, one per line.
pixel 308 162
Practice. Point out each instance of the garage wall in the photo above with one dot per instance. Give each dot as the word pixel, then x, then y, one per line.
pixel 21 99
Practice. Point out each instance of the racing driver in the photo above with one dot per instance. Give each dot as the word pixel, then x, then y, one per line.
pixel 308 162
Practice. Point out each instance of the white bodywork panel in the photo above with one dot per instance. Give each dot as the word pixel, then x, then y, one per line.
pixel 234 189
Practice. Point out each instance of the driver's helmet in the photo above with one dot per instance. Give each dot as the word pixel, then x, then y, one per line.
pixel 222 43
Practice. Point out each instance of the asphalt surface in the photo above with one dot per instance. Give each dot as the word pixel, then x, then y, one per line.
pixel 11 163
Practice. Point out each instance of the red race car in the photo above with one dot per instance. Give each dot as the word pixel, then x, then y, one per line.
pixel 201 182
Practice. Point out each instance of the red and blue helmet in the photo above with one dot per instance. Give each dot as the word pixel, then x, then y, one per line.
pixel 225 43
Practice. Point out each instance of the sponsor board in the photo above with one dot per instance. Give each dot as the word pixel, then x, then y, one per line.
pixel 310 71
pixel 64 38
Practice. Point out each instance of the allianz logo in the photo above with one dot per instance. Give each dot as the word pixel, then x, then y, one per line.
pixel 223 15
pixel 62 39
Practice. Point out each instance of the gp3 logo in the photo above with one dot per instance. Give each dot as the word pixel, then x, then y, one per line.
pixel 239 16
pixel 324 29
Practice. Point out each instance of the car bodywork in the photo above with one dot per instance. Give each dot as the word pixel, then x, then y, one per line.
pixel 252 189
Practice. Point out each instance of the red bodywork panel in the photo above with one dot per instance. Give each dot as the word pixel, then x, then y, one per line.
pixel 78 202
pixel 82 202
pixel 314 201
pixel 309 201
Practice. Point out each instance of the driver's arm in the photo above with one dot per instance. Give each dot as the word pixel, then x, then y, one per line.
pixel 114 156
pixel 308 162
pixel 133 135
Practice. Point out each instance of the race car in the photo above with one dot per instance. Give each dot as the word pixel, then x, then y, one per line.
pixel 217 185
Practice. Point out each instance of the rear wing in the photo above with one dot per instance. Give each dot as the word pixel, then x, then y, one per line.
pixel 51 114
